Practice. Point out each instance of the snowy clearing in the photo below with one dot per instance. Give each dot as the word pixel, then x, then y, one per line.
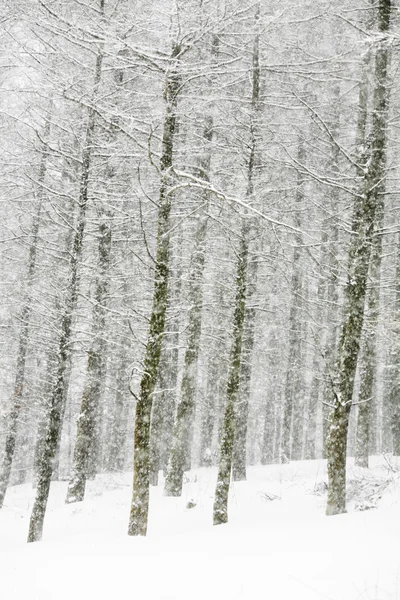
pixel 278 543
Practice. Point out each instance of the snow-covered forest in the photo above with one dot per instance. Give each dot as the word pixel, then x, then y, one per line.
pixel 200 273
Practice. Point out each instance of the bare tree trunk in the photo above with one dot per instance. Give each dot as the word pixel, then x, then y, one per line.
pixel 212 408
pixel 180 451
pixel 52 363
pixel 164 401
pixel 220 509
pixel 186 406
pixel 41 432
pixel 267 449
pixel 242 409
pixel 141 460
pixel 311 425
pixel 367 205
pixel 157 421
pixel 86 426
pixel 54 423
pixel 292 387
pixel 16 400
pixel 332 298
pixel 392 405
pixel 327 296
pixel 118 429
pixel 368 355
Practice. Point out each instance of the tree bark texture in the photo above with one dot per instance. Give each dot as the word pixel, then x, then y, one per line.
pixel 220 510
pixel 365 216
pixel 86 425
pixel 392 404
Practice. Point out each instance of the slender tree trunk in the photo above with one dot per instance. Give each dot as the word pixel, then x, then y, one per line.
pixel 369 350
pixel 164 402
pixel 292 387
pixel 368 356
pixel 186 407
pixel 299 408
pixel 51 365
pixel 157 422
pixel 327 295
pixel 67 378
pixel 216 387
pixel 311 425
pixel 220 510
pixel 332 298
pixel 54 423
pixel 141 461
pixel 267 449
pixel 242 409
pixel 118 430
pixel 86 426
pixel 41 432
pixel 162 417
pixel 367 205
pixel 180 452
pixel 16 400
pixel 392 404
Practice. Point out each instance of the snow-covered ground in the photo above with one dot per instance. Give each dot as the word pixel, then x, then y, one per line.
pixel 278 544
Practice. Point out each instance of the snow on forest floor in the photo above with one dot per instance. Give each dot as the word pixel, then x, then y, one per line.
pixel 278 544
